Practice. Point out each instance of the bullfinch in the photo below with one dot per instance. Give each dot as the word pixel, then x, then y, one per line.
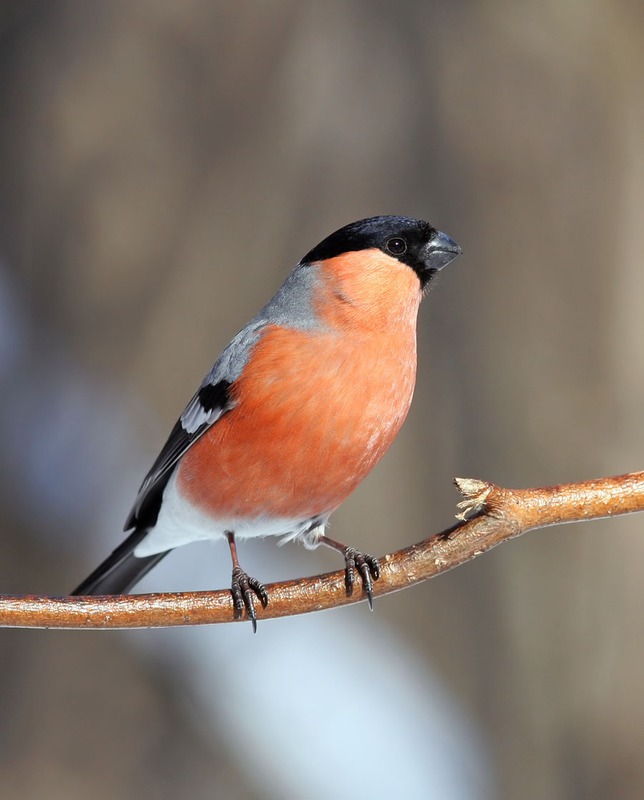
pixel 295 412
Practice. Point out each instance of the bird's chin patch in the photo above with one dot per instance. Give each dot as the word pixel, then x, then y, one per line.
pixel 428 280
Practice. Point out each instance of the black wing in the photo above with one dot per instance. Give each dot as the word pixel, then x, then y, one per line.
pixel 122 569
pixel 205 408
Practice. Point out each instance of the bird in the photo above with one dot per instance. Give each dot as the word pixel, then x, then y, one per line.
pixel 295 412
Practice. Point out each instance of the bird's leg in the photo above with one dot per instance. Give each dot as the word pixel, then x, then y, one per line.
pixel 243 586
pixel 366 565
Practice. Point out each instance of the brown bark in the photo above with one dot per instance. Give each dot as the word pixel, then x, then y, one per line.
pixel 497 514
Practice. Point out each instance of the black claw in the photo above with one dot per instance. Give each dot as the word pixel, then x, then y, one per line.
pixel 368 568
pixel 242 588
pixel 367 585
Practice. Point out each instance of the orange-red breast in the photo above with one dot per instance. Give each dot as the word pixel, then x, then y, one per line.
pixel 295 412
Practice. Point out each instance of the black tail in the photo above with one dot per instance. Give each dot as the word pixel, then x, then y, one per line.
pixel 120 571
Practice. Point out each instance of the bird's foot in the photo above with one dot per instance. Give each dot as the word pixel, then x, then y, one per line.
pixel 368 568
pixel 243 587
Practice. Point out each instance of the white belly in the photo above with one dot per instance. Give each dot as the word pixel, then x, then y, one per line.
pixel 180 522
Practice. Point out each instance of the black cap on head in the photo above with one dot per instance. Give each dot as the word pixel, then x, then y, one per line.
pixel 412 241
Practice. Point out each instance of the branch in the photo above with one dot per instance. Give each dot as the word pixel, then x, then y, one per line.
pixel 489 515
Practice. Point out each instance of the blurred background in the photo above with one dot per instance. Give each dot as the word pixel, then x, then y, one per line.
pixel 162 166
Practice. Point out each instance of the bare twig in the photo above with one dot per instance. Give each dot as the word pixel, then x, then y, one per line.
pixel 489 515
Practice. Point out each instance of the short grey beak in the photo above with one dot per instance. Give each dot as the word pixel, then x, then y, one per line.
pixel 440 251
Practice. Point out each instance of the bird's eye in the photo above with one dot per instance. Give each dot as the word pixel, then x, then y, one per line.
pixel 397 246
